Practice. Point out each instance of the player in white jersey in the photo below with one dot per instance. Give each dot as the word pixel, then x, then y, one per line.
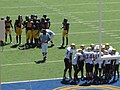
pixel 108 48
pixel 116 64
pixel 52 34
pixel 98 65
pixel 89 57
pixel 44 38
pixel 107 66
pixel 82 46
pixel 68 61
pixel 92 46
pixel 78 64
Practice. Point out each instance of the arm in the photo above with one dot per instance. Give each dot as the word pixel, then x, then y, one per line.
pixel 67 27
pixel 15 25
pixel 70 57
pixel 11 24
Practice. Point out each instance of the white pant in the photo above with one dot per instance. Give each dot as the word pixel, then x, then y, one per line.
pixel 44 47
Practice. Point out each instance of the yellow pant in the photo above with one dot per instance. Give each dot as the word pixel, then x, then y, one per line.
pixel 18 31
pixel 7 30
pixel 35 34
pixel 64 33
pixel 29 34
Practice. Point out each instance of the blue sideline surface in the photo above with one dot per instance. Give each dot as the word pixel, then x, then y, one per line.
pixel 49 84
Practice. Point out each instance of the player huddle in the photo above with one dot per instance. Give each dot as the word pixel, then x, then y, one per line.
pixel 97 71
pixel 33 26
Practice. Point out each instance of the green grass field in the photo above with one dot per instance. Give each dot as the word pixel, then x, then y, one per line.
pixel 83 15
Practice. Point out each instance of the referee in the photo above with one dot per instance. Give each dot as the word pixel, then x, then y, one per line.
pixel 44 38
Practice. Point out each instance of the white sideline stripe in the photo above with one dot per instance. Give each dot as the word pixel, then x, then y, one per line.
pixel 25 81
pixel 30 80
pixel 60 5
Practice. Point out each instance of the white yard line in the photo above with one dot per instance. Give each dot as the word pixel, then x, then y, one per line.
pixel 58 5
pixel 114 35
pixel 85 12
pixel 29 63
pixel 30 80
pixel 117 37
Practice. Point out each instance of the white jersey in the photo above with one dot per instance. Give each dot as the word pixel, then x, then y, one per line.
pixel 77 55
pixel 44 38
pixel 109 49
pixel 107 61
pixel 96 57
pixel 117 60
pixel 89 56
pixel 50 32
pixel 68 52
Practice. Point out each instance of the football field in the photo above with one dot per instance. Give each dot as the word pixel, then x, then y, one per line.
pixel 83 16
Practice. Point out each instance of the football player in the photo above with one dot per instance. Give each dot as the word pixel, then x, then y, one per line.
pixel 108 47
pixel 116 64
pixel 51 33
pixel 45 21
pixel 18 28
pixel 8 25
pixel 65 28
pixel 89 57
pixel 78 64
pixel 68 61
pixel 107 66
pixel 35 32
pixel 92 46
pixel 82 46
pixel 48 23
pixel 98 65
pixel 29 27
pixel 44 38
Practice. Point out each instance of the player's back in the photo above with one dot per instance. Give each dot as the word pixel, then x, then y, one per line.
pixel 89 56
pixel 68 52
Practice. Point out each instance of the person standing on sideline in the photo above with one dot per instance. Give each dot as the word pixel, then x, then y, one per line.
pixel 8 25
pixel 44 38
pixel 65 28
pixel 68 61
